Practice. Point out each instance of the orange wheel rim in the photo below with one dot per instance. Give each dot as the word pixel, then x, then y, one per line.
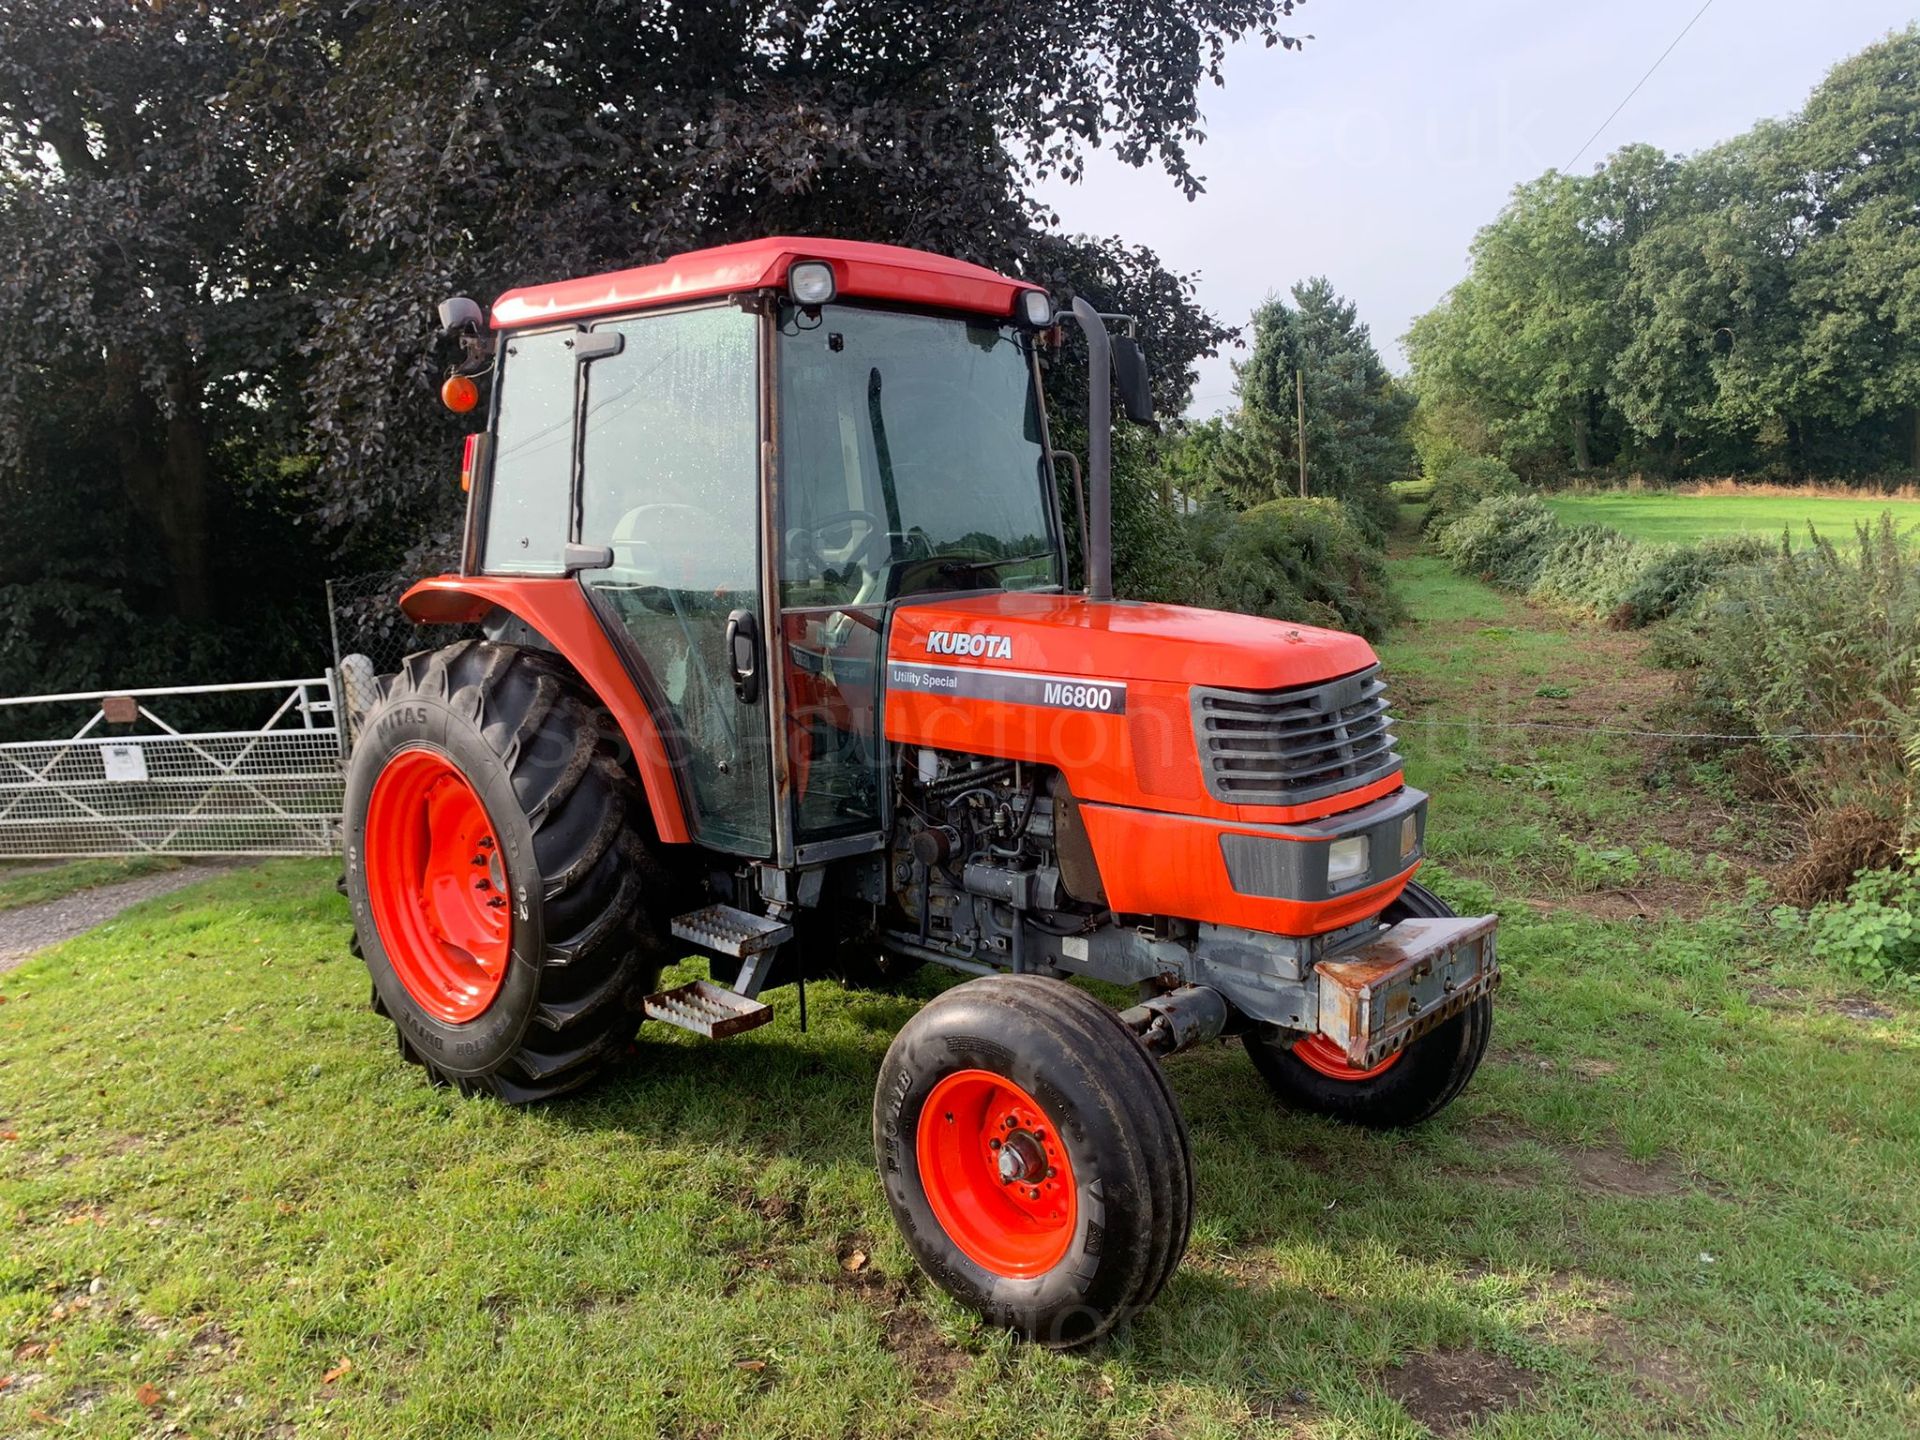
pixel 437 885
pixel 1322 1056
pixel 996 1174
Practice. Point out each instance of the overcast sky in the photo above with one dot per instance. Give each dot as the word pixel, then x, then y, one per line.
pixel 1373 156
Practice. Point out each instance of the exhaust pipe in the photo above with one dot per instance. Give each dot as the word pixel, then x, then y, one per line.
pixel 1099 556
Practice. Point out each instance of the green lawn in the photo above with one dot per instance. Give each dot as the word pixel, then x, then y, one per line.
pixel 1680 1197
pixel 1676 518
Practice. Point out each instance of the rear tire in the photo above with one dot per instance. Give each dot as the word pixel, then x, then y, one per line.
pixel 1412 1086
pixel 1025 1077
pixel 516 970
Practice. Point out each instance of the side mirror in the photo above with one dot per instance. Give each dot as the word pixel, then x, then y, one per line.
pixel 459 315
pixel 1130 376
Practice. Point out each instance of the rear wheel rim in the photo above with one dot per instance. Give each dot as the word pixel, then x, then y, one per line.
pixel 437 886
pixel 996 1174
pixel 1323 1057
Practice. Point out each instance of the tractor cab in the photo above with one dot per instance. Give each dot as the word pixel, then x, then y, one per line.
pixel 747 482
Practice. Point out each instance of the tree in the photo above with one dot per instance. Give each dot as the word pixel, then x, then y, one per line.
pixel 1753 306
pixel 476 145
pixel 1856 151
pixel 223 229
pixel 1356 415
pixel 1532 334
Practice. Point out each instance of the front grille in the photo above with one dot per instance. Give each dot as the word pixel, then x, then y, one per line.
pixel 1288 747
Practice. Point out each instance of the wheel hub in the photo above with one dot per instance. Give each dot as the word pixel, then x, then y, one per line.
pixel 1022 1154
pixel 437 885
pixel 996 1174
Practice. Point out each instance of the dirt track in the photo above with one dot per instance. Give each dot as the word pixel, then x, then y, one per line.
pixel 32 928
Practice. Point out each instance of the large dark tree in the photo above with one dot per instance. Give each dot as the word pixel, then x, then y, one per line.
pixel 223 227
pixel 472 146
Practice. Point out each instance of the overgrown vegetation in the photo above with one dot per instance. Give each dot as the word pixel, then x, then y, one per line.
pixel 1874 933
pixel 1811 649
pixel 1462 483
pixel 1748 309
pixel 1816 651
pixel 1302 560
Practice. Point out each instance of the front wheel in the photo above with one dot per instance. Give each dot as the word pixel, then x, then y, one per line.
pixel 1411 1085
pixel 1033 1157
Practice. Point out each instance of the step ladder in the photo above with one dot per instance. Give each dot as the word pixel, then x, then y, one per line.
pixel 714 1010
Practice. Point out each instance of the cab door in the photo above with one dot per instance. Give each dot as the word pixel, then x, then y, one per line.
pixel 669 465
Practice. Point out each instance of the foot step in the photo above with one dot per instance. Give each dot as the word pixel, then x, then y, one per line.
pixel 727 931
pixel 707 1009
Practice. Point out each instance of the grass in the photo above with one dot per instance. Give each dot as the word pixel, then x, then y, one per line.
pixel 1674 517
pixel 1679 1197
pixel 35 884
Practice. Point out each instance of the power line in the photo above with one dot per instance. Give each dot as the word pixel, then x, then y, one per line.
pixel 1636 89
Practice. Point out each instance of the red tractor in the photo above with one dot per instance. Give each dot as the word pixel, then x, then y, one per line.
pixel 781 667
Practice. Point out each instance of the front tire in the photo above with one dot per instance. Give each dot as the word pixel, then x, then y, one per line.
pixel 1033 1157
pixel 499 880
pixel 1408 1087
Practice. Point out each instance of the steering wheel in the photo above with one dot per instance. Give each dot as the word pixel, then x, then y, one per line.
pixel 804 543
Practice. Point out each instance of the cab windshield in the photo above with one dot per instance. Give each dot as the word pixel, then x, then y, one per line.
pixel 912 458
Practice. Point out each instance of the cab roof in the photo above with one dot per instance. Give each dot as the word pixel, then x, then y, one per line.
pixel 873 272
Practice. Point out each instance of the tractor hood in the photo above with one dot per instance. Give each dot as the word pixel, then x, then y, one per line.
pixel 1071 636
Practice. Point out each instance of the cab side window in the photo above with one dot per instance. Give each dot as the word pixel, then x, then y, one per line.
pixel 530 495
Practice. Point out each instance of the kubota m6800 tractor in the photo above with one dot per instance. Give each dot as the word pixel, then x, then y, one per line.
pixel 781 667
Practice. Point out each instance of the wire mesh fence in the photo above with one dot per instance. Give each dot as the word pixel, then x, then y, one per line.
pixel 131 781
pixel 371 637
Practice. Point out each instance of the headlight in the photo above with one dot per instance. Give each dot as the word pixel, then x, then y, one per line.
pixel 1409 835
pixel 1346 859
pixel 1036 308
pixel 810 282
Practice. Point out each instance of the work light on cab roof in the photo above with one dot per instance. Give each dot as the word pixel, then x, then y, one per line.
pixel 780 663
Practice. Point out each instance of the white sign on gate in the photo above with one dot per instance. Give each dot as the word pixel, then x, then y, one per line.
pixel 124 762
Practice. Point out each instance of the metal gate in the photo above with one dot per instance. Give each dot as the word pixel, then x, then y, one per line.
pixel 129 782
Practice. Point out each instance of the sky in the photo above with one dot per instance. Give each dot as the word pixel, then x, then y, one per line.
pixel 1374 155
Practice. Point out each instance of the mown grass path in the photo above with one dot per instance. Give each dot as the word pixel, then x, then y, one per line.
pixel 1680 1197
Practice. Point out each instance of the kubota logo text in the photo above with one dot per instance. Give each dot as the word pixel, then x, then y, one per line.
pixel 950 642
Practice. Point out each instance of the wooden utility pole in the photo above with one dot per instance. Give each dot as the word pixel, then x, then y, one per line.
pixel 1300 423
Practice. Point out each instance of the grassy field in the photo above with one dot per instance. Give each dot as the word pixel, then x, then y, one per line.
pixel 1680 1198
pixel 1677 518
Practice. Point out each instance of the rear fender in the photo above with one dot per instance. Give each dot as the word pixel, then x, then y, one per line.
pixel 560 610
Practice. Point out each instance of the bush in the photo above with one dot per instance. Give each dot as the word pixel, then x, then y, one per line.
pixel 1802 650
pixel 1504 540
pixel 1589 567
pixel 1305 560
pixel 1514 540
pixel 1463 482
pixel 1875 932
pixel 1678 574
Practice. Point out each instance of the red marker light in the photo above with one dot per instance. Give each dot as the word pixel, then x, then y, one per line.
pixel 459 394
pixel 469 452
